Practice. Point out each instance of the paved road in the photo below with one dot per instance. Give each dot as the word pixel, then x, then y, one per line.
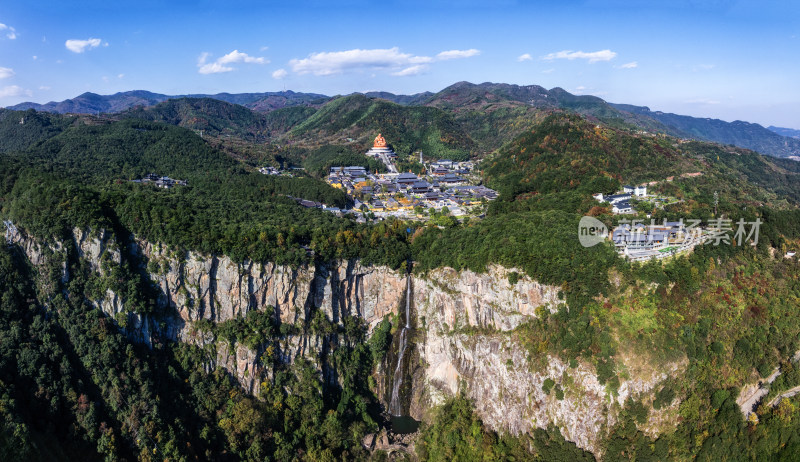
pixel 389 163
pixel 786 394
pixel 754 393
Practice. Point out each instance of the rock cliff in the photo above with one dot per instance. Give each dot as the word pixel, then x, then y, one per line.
pixel 464 327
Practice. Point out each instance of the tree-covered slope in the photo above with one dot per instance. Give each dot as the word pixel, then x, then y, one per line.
pixel 573 158
pixel 406 128
pixel 81 178
pixel 566 152
pixel 219 118
pixel 22 129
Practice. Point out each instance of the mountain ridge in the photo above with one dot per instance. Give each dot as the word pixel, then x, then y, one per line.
pixel 477 105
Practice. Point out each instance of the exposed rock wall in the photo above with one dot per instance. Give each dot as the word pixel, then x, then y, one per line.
pixel 493 368
pixel 216 288
pixel 464 328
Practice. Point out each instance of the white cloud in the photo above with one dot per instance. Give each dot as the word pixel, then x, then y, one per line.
pixel 457 54
pixel 525 57
pixel 79 46
pixel 35 57
pixel 214 68
pixel 120 76
pixel 221 64
pixel 236 56
pixel 279 74
pixel 44 88
pixel 412 70
pixel 6 72
pixel 548 71
pixel 336 62
pixel 630 65
pixel 14 90
pixel 10 32
pixel 593 57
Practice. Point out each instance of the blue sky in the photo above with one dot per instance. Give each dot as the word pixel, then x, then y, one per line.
pixel 706 58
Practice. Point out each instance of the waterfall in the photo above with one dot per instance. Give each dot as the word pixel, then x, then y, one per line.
pixel 395 407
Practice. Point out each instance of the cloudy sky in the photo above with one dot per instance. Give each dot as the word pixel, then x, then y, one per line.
pixel 707 58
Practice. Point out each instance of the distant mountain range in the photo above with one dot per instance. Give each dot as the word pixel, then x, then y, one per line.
pixel 790 132
pixel 494 112
pixel 91 103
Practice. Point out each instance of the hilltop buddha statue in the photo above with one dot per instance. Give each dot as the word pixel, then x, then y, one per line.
pixel 380 142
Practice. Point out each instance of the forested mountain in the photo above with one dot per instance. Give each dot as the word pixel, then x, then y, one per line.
pixel 738 133
pixel 132 316
pixel 406 128
pixel 408 100
pixel 568 153
pixel 492 113
pixel 91 103
pixel 21 129
pixel 218 118
pixel 790 132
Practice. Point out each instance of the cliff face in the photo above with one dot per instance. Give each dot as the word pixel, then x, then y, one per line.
pixel 464 328
pixel 467 342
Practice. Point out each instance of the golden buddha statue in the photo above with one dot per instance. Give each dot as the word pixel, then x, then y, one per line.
pixel 380 142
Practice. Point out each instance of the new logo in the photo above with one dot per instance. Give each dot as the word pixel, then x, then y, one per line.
pixel 591 231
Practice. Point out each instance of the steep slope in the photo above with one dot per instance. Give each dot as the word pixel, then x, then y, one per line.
pixel 240 291
pixel 566 152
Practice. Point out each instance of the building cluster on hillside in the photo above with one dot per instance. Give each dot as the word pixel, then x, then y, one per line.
pixel 639 241
pixel 269 171
pixel 399 194
pixel 276 171
pixel 160 181
pixel 620 202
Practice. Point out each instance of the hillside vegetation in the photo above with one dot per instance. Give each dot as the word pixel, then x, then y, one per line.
pixel 406 128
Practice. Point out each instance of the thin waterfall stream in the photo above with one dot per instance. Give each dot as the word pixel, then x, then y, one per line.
pixel 395 406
